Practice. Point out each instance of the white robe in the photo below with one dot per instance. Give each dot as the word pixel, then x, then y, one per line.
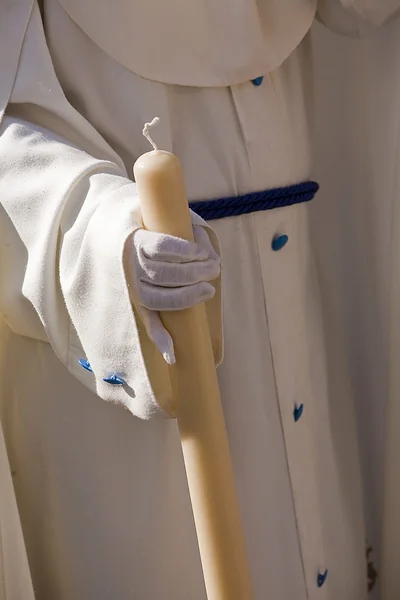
pixel 15 577
pixel 102 495
pixel 355 227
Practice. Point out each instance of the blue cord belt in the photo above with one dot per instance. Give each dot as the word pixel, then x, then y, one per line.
pixel 256 201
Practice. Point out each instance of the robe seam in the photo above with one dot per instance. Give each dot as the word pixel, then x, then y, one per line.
pixel 242 130
pixel 277 89
pixel 254 216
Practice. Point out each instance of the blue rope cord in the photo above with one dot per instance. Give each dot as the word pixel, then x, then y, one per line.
pixel 255 201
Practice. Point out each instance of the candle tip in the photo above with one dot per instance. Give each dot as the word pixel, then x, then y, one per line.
pixel 146 133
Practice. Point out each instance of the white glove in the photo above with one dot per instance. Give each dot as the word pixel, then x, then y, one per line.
pixel 169 273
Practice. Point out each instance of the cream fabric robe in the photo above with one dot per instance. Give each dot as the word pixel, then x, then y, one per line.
pixel 355 227
pixel 15 577
pixel 102 495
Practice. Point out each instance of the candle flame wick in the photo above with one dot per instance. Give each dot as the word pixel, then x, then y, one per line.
pixel 146 132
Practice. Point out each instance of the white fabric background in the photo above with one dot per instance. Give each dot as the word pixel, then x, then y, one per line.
pixel 356 162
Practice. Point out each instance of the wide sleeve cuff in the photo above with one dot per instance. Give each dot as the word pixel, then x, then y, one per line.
pixel 99 301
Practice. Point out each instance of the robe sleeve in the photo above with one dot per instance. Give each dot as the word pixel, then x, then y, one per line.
pixel 67 208
pixel 356 18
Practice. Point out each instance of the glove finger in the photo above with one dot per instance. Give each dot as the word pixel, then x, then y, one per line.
pixel 178 298
pixel 167 248
pixel 179 274
pixel 158 334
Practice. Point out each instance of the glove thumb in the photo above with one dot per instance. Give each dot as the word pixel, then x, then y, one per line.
pixel 158 334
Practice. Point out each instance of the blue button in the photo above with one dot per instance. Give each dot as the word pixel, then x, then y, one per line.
pixel 297 412
pixel 257 81
pixel 114 380
pixel 322 578
pixel 279 242
pixel 85 364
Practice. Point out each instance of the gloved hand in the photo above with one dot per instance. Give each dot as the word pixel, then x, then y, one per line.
pixel 169 273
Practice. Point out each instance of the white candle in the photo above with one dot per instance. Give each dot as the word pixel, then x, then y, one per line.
pixel 194 384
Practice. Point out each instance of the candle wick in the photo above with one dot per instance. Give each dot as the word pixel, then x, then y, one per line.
pixel 146 133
